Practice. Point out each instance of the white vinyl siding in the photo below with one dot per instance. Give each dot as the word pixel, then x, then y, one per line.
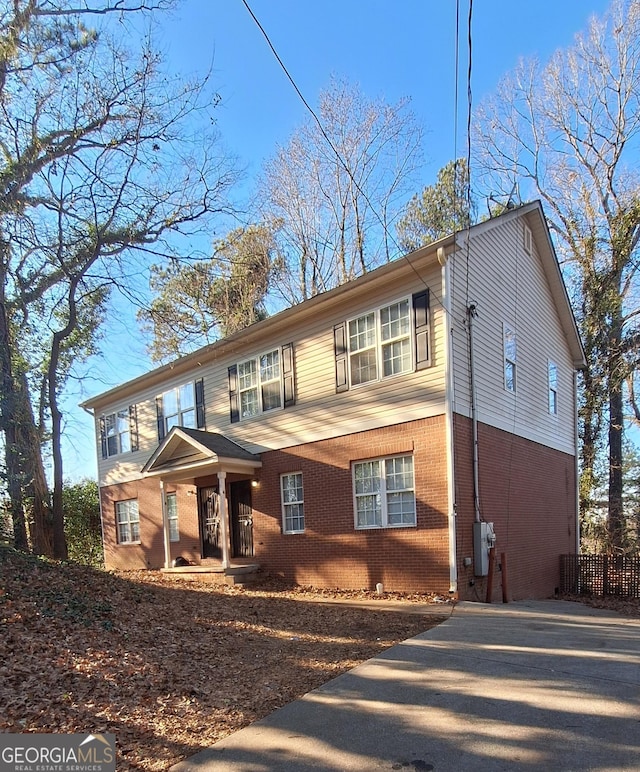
pixel 319 412
pixel 513 289
pixel 384 493
pixel 292 493
pixel 128 521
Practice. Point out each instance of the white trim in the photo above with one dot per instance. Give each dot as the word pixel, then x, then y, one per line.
pixel 165 527
pixel 282 503
pixel 449 429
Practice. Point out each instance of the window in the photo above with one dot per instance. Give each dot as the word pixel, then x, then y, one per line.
pixel 128 521
pixel 391 340
pixel 553 387
pixel 119 432
pixel 379 343
pixel 181 406
pixel 528 239
pixel 172 516
pixel 292 502
pixel 509 342
pixel 384 492
pixel 262 383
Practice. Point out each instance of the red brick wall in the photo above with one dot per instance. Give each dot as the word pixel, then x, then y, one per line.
pixel 150 552
pixel 331 553
pixel 529 492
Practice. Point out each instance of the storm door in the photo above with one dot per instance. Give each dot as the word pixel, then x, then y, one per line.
pixel 209 515
pixel 241 520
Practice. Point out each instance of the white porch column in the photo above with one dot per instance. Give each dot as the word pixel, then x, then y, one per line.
pixel 224 523
pixel 165 527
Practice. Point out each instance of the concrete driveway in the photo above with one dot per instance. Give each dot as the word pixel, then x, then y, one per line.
pixel 538 685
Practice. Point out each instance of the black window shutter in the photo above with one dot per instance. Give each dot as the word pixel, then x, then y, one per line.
pixel 421 322
pixel 103 437
pixel 288 375
pixel 340 344
pixel 233 394
pixel 200 417
pixel 160 417
pixel 133 427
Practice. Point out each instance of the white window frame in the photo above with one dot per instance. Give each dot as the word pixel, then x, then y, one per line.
pixel 172 516
pixel 181 411
pixel 117 431
pixel 384 493
pixel 262 367
pixel 289 504
pixel 510 355
pixel 127 521
pixel 528 239
pixel 375 344
pixel 552 390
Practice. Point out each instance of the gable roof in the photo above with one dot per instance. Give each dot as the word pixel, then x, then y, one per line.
pixel 193 450
pixel 246 337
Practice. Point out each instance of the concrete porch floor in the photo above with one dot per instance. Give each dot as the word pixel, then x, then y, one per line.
pixel 238 572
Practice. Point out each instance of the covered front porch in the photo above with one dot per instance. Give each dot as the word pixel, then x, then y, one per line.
pixel 222 474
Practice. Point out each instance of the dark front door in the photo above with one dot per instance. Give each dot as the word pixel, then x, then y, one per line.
pixel 241 520
pixel 209 513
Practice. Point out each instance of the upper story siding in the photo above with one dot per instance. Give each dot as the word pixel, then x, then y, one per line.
pixel 507 280
pixel 320 411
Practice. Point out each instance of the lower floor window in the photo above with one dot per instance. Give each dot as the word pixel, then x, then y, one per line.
pixel 128 521
pixel 292 502
pixel 172 517
pixel 384 492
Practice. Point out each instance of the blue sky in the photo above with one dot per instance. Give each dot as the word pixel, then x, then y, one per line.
pixel 391 49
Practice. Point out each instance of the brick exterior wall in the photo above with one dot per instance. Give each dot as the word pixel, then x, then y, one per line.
pixel 529 492
pixel 331 552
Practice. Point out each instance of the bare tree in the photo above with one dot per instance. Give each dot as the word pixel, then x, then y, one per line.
pixel 567 132
pixel 337 188
pixel 103 156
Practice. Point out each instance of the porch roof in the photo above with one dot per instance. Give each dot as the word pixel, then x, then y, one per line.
pixel 187 453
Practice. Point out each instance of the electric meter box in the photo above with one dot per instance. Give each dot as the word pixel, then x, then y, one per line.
pixel 483 540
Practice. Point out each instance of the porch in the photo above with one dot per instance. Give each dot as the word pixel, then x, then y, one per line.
pixel 237 572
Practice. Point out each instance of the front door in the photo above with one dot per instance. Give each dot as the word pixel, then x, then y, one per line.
pixel 241 520
pixel 209 514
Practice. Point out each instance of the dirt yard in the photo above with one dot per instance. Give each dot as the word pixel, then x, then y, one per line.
pixel 171 667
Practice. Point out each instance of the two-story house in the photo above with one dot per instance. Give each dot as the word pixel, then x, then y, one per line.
pixel 367 435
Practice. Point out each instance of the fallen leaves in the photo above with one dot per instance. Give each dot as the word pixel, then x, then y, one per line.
pixel 169 667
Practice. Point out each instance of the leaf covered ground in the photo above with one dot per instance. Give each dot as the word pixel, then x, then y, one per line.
pixel 170 667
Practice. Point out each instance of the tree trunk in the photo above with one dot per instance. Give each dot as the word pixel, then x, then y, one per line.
pixel 615 377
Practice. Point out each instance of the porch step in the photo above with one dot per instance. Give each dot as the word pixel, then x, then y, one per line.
pixel 214 572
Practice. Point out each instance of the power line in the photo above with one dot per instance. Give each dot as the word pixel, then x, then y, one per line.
pixel 334 149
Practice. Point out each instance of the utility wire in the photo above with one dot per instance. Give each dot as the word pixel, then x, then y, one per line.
pixel 335 150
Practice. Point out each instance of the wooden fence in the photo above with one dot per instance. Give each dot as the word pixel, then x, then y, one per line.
pixel 600 575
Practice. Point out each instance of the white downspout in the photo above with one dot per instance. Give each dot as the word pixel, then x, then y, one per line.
pixel 576 445
pixel 165 527
pixel 448 417
pixel 224 525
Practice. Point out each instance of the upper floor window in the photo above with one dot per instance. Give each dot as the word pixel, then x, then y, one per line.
pixel 181 406
pixel 384 492
pixel 552 371
pixel 262 383
pixel 172 516
pixel 128 521
pixel 509 345
pixel 388 341
pixel 119 432
pixel 292 502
